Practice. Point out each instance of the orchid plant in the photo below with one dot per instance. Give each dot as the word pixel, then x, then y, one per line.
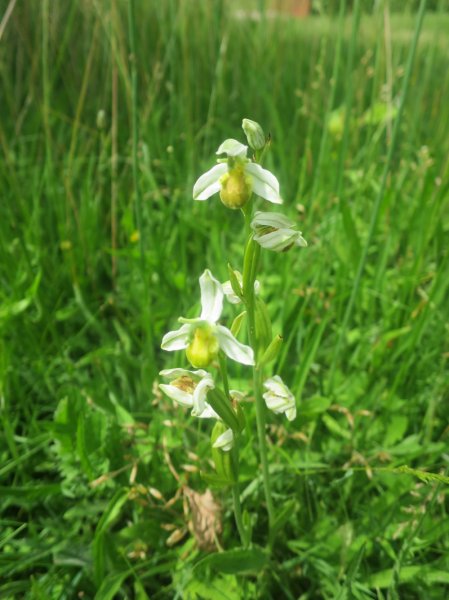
pixel 240 180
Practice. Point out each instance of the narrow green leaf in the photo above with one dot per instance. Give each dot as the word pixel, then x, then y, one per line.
pixel 109 516
pixel 222 406
pixel 235 282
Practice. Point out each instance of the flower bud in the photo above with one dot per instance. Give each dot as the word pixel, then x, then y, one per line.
pixel 235 188
pixel 336 123
pixel 203 349
pixel 254 134
pixel 224 465
pixel 101 119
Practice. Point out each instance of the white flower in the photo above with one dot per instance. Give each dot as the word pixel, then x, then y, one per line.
pixel 274 231
pixel 279 398
pixel 231 296
pixel 225 441
pixel 203 337
pixel 189 388
pixel 237 178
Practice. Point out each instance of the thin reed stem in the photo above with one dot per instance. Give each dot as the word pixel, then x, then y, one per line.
pixel 379 197
pixel 249 277
pixel 235 458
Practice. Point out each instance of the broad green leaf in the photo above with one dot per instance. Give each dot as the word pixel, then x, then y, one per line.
pixel 235 561
pixel 314 406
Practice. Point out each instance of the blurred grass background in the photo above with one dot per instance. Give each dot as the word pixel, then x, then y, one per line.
pixel 94 270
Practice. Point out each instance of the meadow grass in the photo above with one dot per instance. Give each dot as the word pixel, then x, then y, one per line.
pixel 102 247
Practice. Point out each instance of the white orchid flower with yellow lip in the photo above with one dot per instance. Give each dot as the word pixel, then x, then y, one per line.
pixel 203 337
pixel 189 388
pixel 274 231
pixel 236 178
pixel 279 398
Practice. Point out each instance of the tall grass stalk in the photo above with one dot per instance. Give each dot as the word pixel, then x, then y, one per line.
pixel 379 197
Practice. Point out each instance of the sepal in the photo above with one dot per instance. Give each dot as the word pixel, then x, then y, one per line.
pixel 222 460
pixel 272 351
pixel 235 284
pixel 222 407
pixel 237 323
pixel 263 324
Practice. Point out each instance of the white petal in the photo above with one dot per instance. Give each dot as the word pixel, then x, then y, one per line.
pixel 179 396
pixel 271 219
pixel 277 386
pixel 209 183
pixel 208 413
pixel 277 404
pixel 236 395
pixel 229 293
pixel 199 395
pixel 232 148
pixel 279 398
pixel 291 413
pixel 196 321
pixel 175 373
pixel 211 297
pixel 225 441
pixel 232 347
pixel 300 241
pixel 276 240
pixel 265 183
pixel 280 405
pixel 177 340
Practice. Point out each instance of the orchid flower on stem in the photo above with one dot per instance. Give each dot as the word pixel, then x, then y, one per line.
pixel 236 178
pixel 202 337
pixel 208 344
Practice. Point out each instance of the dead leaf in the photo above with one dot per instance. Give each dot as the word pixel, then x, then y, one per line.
pixel 205 518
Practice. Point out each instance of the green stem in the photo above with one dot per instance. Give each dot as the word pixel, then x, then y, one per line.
pixel 261 421
pixel 135 131
pixel 224 373
pixel 247 211
pixel 235 458
pixel 238 516
pixel 249 277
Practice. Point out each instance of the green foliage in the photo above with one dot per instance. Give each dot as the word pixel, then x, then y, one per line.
pixel 96 464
